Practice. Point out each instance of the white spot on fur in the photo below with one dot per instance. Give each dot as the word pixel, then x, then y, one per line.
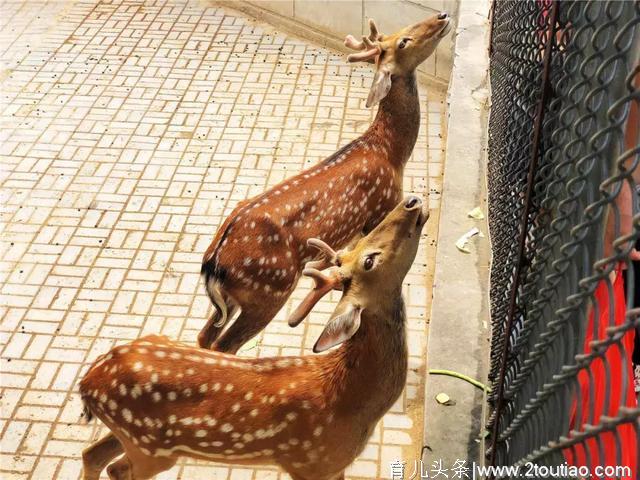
pixel 210 421
pixel 127 415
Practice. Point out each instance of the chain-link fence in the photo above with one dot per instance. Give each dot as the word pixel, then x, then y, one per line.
pixel 564 150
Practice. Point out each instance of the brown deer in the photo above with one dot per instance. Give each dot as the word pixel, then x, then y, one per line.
pixel 310 415
pixel 256 258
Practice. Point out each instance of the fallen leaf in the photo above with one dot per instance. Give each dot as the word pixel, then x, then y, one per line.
pixel 444 399
pixel 476 213
pixel 461 243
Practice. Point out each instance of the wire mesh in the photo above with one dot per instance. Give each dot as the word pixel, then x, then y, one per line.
pixel 564 149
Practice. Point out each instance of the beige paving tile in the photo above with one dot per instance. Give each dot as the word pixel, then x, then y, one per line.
pixel 130 129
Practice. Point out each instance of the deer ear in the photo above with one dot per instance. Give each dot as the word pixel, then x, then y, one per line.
pixel 381 86
pixel 340 328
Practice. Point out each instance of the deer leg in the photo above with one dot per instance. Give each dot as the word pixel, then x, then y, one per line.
pixel 144 467
pixel 98 455
pixel 138 467
pixel 120 470
pixel 295 476
pixel 210 332
pixel 251 321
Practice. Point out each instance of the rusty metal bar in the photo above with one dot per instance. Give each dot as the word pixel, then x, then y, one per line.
pixel 492 13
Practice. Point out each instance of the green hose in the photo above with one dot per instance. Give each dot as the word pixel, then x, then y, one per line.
pixel 462 376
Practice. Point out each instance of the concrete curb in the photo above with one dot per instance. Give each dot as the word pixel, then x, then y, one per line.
pixel 458 332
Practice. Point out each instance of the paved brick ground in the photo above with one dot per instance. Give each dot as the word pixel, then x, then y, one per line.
pixel 129 130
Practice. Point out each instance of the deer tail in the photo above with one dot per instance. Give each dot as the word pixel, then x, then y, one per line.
pixel 87 414
pixel 222 303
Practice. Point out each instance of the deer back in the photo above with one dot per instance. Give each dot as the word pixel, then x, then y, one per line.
pixel 262 247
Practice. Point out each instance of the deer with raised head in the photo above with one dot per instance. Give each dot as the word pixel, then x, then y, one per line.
pixel 258 253
pixel 310 415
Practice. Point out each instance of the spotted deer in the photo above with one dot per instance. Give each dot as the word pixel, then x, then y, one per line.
pixel 310 415
pixel 256 257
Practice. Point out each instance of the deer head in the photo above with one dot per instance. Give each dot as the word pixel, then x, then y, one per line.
pixel 368 274
pixel 397 54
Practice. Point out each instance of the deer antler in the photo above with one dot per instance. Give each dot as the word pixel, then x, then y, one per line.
pixel 331 256
pixel 323 285
pixel 369 45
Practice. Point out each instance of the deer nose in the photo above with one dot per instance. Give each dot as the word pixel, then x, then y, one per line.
pixel 443 15
pixel 411 202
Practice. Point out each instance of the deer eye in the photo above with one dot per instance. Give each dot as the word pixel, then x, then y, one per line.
pixel 403 42
pixel 368 262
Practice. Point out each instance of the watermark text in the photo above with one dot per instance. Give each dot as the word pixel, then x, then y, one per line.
pixel 461 469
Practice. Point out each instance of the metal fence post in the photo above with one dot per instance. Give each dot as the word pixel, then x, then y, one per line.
pixel 533 163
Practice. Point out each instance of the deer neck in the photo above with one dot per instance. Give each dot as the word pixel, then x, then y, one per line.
pixel 369 371
pixel 398 119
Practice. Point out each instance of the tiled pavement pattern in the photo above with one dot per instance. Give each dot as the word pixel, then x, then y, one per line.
pixel 129 130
